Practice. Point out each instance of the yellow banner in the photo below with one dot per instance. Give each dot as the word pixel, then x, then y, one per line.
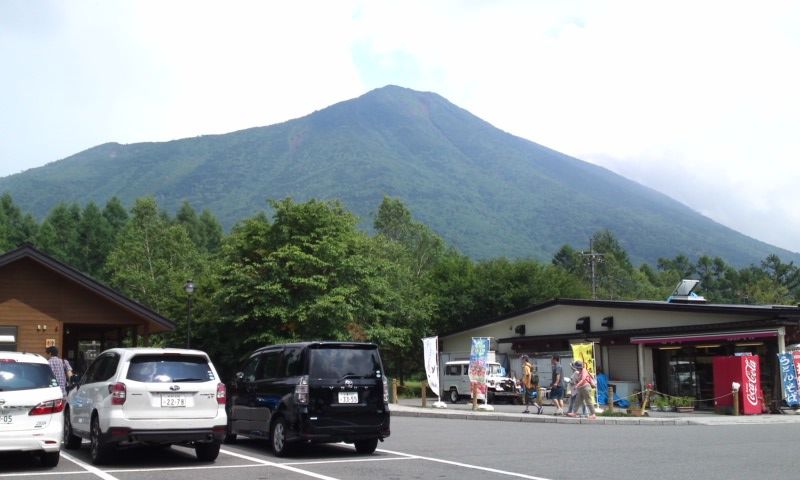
pixel 585 353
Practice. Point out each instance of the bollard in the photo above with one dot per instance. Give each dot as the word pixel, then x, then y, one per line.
pixel 394 389
pixel 735 401
pixel 424 393
pixel 474 396
pixel 611 399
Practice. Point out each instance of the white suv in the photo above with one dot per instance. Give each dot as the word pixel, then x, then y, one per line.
pixel 153 396
pixel 31 406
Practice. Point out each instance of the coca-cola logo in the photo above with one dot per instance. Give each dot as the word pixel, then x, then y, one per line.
pixel 751 387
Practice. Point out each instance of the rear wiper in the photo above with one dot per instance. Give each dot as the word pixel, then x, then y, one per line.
pixel 350 375
pixel 189 379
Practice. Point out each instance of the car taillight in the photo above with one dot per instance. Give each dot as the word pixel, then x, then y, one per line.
pixel 221 393
pixel 301 391
pixel 118 393
pixel 385 390
pixel 48 407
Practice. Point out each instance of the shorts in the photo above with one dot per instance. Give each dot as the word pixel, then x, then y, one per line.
pixel 557 393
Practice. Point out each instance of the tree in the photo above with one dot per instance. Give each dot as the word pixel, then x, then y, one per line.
pixel 152 260
pixel 15 228
pixel 58 235
pixel 95 240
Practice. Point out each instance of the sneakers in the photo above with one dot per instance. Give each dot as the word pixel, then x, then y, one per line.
pixel 570 414
pixel 592 417
pixel 560 411
pixel 539 409
pixel 526 411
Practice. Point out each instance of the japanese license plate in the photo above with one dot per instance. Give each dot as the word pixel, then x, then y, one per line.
pixel 173 400
pixel 6 419
pixel 348 397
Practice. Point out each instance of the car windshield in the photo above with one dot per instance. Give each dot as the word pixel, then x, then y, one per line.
pixel 169 368
pixel 25 376
pixel 344 362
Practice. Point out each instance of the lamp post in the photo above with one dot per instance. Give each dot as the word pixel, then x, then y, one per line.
pixel 189 287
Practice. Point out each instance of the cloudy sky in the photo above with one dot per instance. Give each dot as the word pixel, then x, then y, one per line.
pixel 697 99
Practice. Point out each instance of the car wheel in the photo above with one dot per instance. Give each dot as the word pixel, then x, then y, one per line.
pixel 71 441
pixel 206 452
pixel 366 446
pixel 277 436
pixel 50 459
pixel 453 395
pixel 99 451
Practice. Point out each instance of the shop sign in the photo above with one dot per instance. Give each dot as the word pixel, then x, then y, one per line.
pixel 789 379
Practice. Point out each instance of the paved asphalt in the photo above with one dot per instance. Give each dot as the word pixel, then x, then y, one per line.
pixel 513 413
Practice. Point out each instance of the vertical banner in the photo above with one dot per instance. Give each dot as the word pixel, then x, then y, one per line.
pixel 478 356
pixel 789 378
pixel 585 353
pixel 431 351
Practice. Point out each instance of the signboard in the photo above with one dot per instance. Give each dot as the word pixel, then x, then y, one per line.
pixel 788 368
pixel 478 356
pixel 431 352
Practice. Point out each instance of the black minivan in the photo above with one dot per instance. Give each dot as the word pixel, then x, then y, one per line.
pixel 312 392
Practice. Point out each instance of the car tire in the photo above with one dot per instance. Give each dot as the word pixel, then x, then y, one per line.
pixel 71 441
pixel 50 459
pixel 99 451
pixel 207 451
pixel 366 446
pixel 453 395
pixel 277 437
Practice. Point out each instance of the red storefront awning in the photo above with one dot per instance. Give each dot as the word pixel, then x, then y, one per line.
pixel 705 337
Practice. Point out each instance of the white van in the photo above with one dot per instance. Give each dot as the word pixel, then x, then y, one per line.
pixel 455 382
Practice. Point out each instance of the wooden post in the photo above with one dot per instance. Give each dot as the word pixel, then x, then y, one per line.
pixel 474 388
pixel 611 399
pixel 735 401
pixel 394 389
pixel 424 391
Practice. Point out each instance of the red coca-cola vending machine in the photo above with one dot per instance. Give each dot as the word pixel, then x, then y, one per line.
pixel 745 371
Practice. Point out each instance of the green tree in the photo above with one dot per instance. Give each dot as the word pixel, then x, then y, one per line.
pixel 15 228
pixel 152 260
pixel 58 235
pixel 95 240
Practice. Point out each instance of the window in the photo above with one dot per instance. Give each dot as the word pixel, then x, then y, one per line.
pixel 8 339
pixel 25 376
pixel 269 365
pixel 169 368
pixel 250 369
pixel 292 362
pixel 333 362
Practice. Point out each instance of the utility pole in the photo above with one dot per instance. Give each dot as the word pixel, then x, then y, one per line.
pixel 593 259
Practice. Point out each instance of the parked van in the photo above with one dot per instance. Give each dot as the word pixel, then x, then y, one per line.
pixel 455 382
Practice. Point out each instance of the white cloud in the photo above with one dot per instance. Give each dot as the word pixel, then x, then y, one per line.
pixel 696 99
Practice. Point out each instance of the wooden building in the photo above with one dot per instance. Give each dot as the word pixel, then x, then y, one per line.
pixel 45 302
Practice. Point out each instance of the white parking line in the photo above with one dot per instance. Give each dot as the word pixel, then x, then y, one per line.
pixel 465 465
pixel 277 465
pixel 88 468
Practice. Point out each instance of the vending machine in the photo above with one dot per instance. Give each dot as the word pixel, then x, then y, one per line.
pixel 744 370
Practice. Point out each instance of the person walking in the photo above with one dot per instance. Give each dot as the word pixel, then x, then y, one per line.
pixel 61 368
pixel 574 379
pixel 584 390
pixel 557 384
pixel 529 384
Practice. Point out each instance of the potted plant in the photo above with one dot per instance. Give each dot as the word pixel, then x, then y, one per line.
pixel 661 403
pixel 684 404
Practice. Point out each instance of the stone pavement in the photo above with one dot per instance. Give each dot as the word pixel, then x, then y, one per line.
pixel 513 413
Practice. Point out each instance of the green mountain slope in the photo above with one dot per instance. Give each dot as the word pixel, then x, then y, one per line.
pixel 485 191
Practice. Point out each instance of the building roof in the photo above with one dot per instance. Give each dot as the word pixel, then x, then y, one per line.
pixel 779 314
pixel 27 251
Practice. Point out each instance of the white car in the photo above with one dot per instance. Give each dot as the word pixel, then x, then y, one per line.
pixel 151 396
pixel 31 406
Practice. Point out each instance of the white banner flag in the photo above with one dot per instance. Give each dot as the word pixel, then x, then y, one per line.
pixel 431 352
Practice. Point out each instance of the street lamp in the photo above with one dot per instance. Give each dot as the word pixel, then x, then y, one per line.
pixel 189 287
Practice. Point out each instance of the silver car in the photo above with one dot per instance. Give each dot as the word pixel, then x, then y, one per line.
pixel 31 407
pixel 150 396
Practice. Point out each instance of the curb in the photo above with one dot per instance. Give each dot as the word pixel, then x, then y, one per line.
pixel 707 420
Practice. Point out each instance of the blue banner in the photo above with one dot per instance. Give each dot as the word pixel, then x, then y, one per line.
pixel 789 379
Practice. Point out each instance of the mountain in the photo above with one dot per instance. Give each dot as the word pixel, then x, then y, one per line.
pixel 487 192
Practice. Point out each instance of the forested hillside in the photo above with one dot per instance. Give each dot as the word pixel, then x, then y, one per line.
pixel 485 192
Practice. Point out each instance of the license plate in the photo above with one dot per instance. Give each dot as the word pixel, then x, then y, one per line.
pixel 173 400
pixel 6 419
pixel 348 397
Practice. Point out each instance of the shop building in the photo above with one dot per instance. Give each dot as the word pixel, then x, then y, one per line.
pixel 670 344
pixel 45 302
